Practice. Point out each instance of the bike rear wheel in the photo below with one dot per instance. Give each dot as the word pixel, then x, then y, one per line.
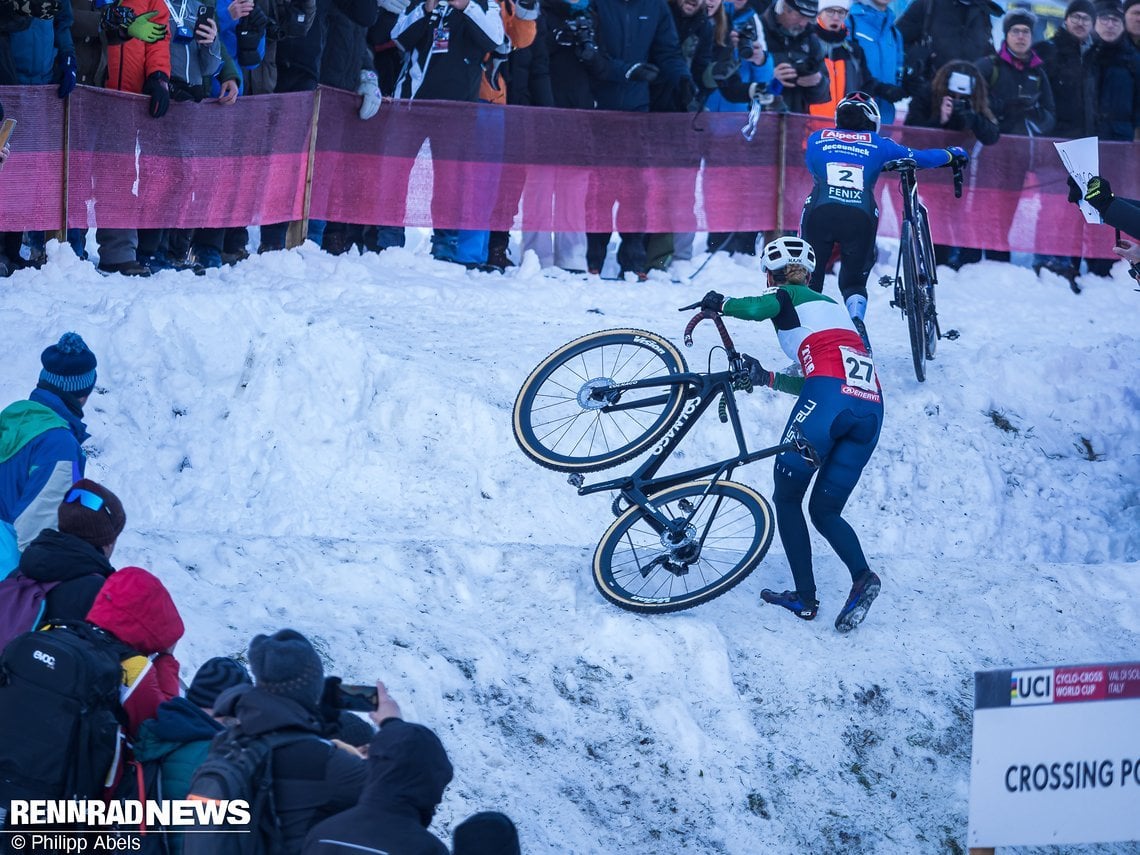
pixel 727 533
pixel 915 305
pixel 567 419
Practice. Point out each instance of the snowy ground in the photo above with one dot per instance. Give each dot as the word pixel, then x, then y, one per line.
pixel 325 443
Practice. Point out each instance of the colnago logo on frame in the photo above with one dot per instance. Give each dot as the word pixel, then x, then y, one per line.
pixel 1031 687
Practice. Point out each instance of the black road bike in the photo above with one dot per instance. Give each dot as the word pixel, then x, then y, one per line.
pixel 678 540
pixel 916 273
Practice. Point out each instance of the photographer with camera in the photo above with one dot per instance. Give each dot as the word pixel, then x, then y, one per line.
pixel 936 32
pixel 957 99
pixel 797 53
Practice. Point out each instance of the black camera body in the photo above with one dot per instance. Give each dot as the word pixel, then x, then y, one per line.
pixel 579 33
pixel 746 35
pixel 804 67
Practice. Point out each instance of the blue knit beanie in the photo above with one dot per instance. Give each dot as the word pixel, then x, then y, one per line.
pixel 69 365
pixel 286 664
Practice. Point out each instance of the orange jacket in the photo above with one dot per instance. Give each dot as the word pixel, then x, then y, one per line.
pixel 519 26
pixel 129 64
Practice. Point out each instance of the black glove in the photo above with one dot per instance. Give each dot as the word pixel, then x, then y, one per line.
pixel 1099 194
pixel 757 373
pixel 712 302
pixel 1075 191
pixel 643 72
pixel 890 92
pixel 157 86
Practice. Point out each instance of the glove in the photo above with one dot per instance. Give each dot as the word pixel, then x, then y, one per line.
pixel 1099 194
pixel 890 92
pixel 257 20
pixel 757 373
pixel 958 156
pixel 643 72
pixel 68 74
pixel 369 90
pixel 143 29
pixel 157 86
pixel 712 302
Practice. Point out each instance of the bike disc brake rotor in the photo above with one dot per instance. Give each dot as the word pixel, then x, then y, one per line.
pixel 586 398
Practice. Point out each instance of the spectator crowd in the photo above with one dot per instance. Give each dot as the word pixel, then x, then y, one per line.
pixel 92 706
pixel 947 62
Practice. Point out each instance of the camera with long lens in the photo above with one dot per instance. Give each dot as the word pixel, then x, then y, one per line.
pixel 804 67
pixel 746 35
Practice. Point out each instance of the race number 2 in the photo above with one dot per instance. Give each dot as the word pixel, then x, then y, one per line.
pixel 846 175
pixel 859 369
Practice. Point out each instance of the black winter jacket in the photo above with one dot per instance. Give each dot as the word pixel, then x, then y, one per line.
pixel 1020 94
pixel 957 30
pixel 451 75
pixel 347 52
pixel 1072 77
pixel 312 778
pixel 408 770
pixel 1118 88
pixel 571 79
pixel 919 115
pixel 1124 214
pixel 695 35
pixel 79 567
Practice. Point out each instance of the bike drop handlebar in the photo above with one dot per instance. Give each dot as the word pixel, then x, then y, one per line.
pixel 909 165
pixel 726 339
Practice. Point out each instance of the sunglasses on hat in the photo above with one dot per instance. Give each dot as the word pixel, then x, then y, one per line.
pixel 89 500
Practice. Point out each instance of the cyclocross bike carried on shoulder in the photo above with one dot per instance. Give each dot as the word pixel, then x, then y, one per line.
pixel 679 540
pixel 916 273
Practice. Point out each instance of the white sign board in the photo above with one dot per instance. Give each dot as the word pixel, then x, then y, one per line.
pixel 1082 160
pixel 1056 756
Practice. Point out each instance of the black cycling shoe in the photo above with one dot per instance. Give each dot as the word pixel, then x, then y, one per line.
pixel 863 593
pixel 861 328
pixel 801 607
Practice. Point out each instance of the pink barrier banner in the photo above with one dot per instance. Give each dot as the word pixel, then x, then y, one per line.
pixel 202 164
pixel 478 166
pixel 31 185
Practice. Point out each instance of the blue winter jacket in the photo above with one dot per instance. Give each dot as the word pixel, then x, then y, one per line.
pixel 34 49
pixel 40 458
pixel 882 47
pixel 629 32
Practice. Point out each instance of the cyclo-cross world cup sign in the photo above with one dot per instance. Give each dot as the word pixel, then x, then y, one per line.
pixel 1056 756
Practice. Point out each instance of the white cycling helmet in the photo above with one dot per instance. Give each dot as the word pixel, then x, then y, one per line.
pixel 858 112
pixel 782 251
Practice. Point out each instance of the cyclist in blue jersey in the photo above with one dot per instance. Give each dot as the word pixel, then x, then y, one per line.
pixel 845 162
pixel 839 412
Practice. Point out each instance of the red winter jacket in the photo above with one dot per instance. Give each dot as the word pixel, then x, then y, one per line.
pixel 129 64
pixel 135 607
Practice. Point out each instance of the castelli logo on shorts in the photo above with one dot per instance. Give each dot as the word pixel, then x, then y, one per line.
pixel 46 658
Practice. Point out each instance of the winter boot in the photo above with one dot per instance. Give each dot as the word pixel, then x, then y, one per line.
pixel 863 593
pixel 801 607
pixel 126 268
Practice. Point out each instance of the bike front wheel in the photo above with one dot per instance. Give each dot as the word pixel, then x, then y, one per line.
pixel 720 532
pixel 913 299
pixel 572 414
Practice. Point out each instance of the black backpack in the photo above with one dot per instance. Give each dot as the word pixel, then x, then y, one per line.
pixel 60 716
pixel 240 767
pixel 142 781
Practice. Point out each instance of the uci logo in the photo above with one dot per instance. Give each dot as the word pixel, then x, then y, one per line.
pixel 1031 687
pixel 46 658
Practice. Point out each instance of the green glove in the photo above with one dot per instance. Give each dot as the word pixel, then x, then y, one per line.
pixel 145 31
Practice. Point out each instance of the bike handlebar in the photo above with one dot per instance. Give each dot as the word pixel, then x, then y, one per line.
pixel 910 165
pixel 725 338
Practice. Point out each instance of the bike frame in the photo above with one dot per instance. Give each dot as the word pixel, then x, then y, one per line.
pixel 700 393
